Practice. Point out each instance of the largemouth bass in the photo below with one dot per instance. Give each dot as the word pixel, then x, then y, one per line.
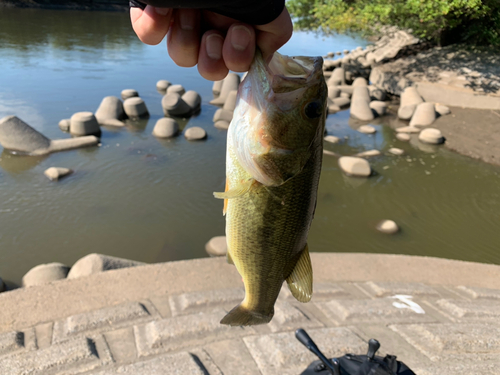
pixel 273 163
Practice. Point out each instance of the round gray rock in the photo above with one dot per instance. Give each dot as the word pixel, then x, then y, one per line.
pixel 45 273
pixel 64 124
pixel 424 115
pixel 128 93
pixel 84 123
pixel 195 133
pixel 16 135
pixel 217 246
pixel 367 129
pixel 166 128
pixel 431 136
pixel 135 107
pixel 387 226
pixel 405 137
pixel 55 173
pixel 111 107
pixel 162 86
pixel 354 166
pixel 177 89
pixel 95 263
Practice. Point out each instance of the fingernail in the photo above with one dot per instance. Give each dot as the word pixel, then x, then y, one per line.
pixel 214 46
pixel 162 11
pixel 186 20
pixel 240 37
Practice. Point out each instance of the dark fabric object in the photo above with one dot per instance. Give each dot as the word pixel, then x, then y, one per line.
pixel 253 12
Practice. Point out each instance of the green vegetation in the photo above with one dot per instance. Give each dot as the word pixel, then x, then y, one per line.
pixel 440 21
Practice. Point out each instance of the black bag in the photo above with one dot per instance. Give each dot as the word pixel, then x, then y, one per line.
pixel 352 364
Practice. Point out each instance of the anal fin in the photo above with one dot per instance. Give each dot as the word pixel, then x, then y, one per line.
pixel 300 280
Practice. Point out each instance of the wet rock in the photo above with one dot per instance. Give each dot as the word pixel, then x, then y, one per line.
pixel 230 83
pixel 410 98
pixel 332 139
pixel 195 133
pixel 45 273
pixel 424 115
pixel 96 263
pixel 408 129
pixel 341 102
pixel 111 108
pixel 337 77
pixel 55 173
pixel 367 129
pixel 379 107
pixel 360 104
pixel 192 99
pixel 396 151
pixel 16 135
pixel 368 154
pixel 162 86
pixel 174 105
pixel 64 124
pixel 223 114
pixel 128 93
pixel 222 124
pixel 405 137
pixel 442 110
pixel 431 136
pixel 333 92
pixel 84 123
pixel 354 166
pixel 387 226
pixel 166 128
pixel 216 87
pixel 230 103
pixel 217 246
pixel 376 93
pixel 176 89
pixel 360 81
pixel 135 108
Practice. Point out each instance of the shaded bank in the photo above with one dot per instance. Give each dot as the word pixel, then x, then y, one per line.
pixel 111 5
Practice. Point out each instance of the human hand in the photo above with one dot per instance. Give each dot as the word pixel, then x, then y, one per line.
pixel 214 42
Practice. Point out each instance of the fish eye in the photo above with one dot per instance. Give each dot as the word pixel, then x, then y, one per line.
pixel 313 110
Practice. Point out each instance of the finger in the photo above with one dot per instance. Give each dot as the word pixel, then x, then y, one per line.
pixel 151 24
pixel 239 47
pixel 271 36
pixel 183 40
pixel 210 63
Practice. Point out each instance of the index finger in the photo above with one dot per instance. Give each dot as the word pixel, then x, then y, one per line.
pixel 271 36
pixel 151 24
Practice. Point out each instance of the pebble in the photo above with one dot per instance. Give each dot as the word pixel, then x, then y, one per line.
pixel 354 166
pixel 222 124
pixel 174 105
pixel 128 93
pixel 84 123
pixel 360 104
pixel 367 129
pixel 424 115
pixel 176 89
pixel 431 136
pixel 55 173
pixel 387 226
pixel 368 154
pixel 162 86
pixel 442 110
pixel 195 133
pixel 45 273
pixel 135 107
pixel 217 246
pixel 64 124
pixel 405 137
pixel 332 139
pixel 379 107
pixel 396 151
pixel 408 129
pixel 166 127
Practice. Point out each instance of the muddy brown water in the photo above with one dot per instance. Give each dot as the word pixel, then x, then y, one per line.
pixel 150 200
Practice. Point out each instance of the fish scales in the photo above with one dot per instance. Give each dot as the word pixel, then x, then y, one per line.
pixel 271 194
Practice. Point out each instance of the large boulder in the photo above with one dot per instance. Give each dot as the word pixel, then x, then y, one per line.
pixel 16 135
pixel 95 263
pixel 45 273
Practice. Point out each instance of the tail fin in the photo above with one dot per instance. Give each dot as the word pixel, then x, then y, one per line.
pixel 241 316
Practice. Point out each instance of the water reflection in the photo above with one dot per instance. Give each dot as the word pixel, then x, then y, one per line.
pixel 15 164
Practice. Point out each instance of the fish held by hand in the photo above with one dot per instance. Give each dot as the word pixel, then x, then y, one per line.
pixel 273 164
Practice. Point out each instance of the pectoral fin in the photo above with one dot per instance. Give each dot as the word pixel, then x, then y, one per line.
pixel 300 280
pixel 235 191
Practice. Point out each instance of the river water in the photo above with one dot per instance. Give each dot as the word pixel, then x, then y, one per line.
pixel 151 200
